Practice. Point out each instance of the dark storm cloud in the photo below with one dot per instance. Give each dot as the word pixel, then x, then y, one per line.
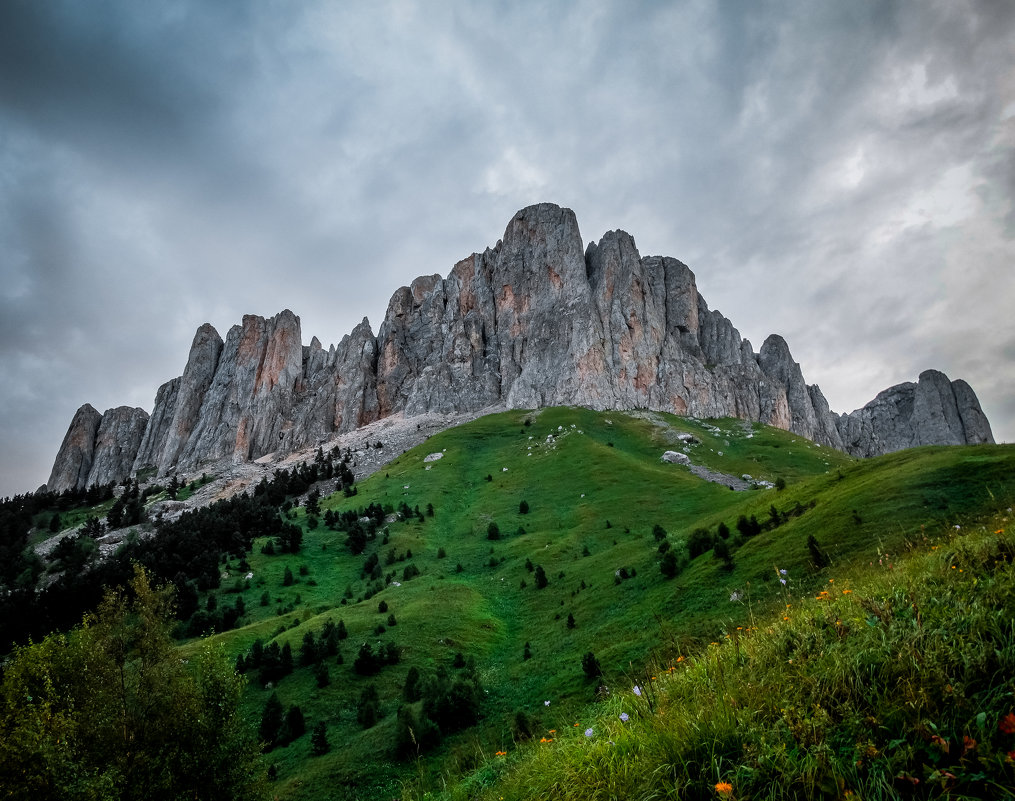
pixel 839 173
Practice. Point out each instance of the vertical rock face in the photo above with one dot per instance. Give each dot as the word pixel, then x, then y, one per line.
pixel 197 377
pixel 245 411
pixel 116 444
pixel 934 411
pixel 534 321
pixel 154 441
pixel 74 459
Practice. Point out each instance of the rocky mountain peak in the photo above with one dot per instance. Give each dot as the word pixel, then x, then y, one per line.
pixel 537 320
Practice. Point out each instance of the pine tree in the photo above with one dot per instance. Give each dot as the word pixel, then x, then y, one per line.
pixel 319 739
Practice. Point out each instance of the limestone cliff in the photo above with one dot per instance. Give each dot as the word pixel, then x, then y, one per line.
pixel 537 320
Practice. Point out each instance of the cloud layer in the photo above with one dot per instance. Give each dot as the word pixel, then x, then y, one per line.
pixel 839 173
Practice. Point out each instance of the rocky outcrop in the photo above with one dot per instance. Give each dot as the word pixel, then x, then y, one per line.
pixel 934 411
pixel 534 321
pixel 154 441
pixel 116 444
pixel 74 459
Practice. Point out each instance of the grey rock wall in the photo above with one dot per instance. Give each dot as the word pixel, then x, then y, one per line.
pixel 116 444
pixel 74 459
pixel 534 321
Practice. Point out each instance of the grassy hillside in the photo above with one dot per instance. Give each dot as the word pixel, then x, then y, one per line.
pixel 894 682
pixel 595 491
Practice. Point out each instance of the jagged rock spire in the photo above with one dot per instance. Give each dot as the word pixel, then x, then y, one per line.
pixel 534 321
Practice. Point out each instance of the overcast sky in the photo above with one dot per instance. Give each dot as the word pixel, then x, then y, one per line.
pixel 841 173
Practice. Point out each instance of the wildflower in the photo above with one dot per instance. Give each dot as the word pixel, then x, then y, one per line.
pixel 500 753
pixel 968 743
pixel 783 572
pixel 637 690
pixel 624 717
pixel 546 703
pixel 724 788
pixel 782 581
pixel 588 732
pixel 680 659
pixel 552 731
pixel 846 592
pixel 1007 724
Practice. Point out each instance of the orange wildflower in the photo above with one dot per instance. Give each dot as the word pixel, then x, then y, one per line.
pixel 500 753
pixel 724 788
pixel 1007 724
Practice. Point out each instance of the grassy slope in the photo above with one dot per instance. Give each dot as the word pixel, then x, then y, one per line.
pixel 895 682
pixel 599 468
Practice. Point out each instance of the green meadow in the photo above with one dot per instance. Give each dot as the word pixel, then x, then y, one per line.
pixel 584 498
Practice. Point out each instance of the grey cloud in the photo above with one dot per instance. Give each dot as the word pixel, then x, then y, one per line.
pixel 163 167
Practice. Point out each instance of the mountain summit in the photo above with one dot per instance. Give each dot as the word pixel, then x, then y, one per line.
pixel 534 321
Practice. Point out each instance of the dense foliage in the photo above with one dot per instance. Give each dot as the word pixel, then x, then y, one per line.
pixel 110 711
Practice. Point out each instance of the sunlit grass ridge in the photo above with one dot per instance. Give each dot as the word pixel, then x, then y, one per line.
pixel 897 684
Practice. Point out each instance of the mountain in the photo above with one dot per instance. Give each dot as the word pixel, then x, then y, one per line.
pixel 534 321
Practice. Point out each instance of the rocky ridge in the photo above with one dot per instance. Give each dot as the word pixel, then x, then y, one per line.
pixel 534 321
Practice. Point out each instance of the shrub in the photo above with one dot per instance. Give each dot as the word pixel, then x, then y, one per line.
pixel 523 508
pixel 668 564
pixel 319 739
pixel 368 709
pixel 492 531
pixel 590 666
pixel 540 577
pixel 699 542
pixel 818 557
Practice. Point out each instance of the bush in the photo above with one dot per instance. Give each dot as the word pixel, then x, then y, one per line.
pixel 492 531
pixel 699 542
pixel 668 564
pixel 319 739
pixel 591 667
pixel 412 691
pixel 540 577
pixel 523 508
pixel 818 557
pixel 368 709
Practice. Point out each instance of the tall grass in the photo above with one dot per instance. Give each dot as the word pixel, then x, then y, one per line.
pixel 896 684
